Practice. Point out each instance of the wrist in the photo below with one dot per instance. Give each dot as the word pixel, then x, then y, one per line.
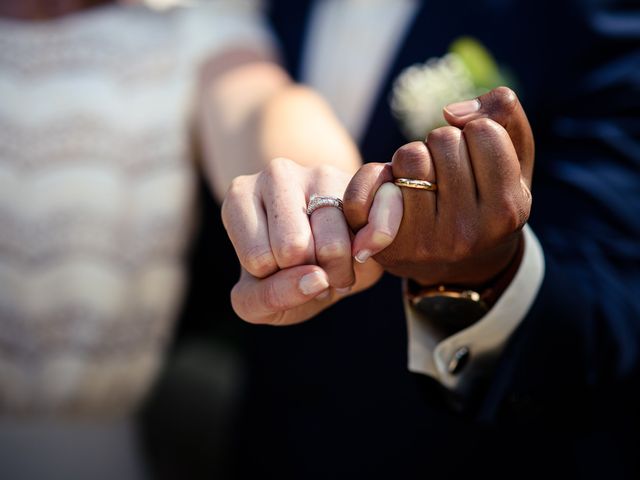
pixel 478 272
pixel 457 305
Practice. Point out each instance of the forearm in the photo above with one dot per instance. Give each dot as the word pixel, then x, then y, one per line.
pixel 297 123
pixel 252 112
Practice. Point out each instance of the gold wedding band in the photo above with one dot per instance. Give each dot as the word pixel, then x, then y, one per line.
pixel 418 184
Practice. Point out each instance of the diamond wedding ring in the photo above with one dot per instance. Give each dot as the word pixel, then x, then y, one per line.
pixel 319 201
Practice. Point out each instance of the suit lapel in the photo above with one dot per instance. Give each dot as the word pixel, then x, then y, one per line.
pixel 433 29
pixel 435 26
pixel 289 19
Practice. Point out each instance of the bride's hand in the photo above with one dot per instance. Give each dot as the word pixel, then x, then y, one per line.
pixel 295 265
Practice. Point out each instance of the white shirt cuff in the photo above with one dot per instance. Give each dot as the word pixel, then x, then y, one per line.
pixel 431 354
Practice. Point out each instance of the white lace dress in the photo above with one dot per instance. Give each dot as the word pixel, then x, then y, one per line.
pixel 97 197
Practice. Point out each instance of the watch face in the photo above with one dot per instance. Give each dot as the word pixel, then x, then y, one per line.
pixel 451 313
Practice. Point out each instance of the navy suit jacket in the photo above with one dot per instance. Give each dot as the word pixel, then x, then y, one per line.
pixel 332 397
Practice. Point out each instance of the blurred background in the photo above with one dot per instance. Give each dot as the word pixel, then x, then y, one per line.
pixel 104 370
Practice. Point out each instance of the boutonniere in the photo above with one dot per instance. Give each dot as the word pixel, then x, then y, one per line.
pixel 421 91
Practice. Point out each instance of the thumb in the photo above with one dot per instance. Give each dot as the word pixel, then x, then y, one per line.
pixel 384 222
pixel 272 300
pixel 502 106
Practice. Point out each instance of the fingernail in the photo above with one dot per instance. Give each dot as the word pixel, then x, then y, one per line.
pixel 382 212
pixel 313 282
pixel 343 291
pixel 362 256
pixel 461 109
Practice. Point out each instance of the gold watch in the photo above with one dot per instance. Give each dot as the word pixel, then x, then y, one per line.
pixel 454 307
pixel 450 307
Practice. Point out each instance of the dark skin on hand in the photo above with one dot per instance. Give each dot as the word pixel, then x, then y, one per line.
pixel 44 9
pixel 469 231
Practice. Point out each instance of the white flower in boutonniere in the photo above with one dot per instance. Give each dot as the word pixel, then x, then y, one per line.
pixel 421 91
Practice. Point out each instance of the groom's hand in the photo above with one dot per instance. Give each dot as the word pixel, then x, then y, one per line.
pixel 295 265
pixel 468 230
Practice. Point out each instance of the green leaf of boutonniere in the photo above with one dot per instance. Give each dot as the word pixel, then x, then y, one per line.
pixel 421 91
pixel 480 64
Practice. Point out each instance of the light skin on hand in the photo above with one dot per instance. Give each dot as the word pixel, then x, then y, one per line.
pixel 295 265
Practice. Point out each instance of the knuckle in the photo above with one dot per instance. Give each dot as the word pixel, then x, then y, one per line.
pixel 225 211
pixel 423 253
pixel 227 216
pixel 236 190
pixel 462 246
pixel 259 262
pixel 372 169
pixel 505 99
pixel 324 171
pixel 238 301
pixel 280 163
pixel 355 198
pixel 411 155
pixel 511 213
pixel 279 167
pixel 481 126
pixel 358 194
pixel 445 142
pixel 238 185
pixel 527 197
pixel 331 251
pixel 271 298
pixel 291 250
pixel 459 253
pixel 524 204
pixel 445 138
pixel 239 189
pixel 523 211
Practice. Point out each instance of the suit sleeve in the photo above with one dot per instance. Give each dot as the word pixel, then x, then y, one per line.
pixel 578 349
pixel 455 361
